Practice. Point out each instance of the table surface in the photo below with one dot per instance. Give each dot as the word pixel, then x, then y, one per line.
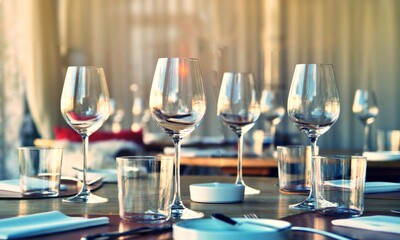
pixel 269 204
pixel 268 167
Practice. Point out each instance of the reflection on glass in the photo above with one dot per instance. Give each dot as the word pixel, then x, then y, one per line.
pixel 272 111
pixel 313 106
pixel 365 107
pixel 177 103
pixel 239 109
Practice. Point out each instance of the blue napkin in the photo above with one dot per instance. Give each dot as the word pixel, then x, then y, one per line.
pixel 378 223
pixel 13 185
pixel 44 223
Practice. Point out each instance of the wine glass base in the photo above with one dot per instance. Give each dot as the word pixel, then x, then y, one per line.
pixel 308 205
pixel 185 213
pixel 85 198
pixel 247 190
pixel 250 191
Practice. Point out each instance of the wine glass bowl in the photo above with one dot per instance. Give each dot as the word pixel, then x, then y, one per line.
pixel 239 109
pixel 366 109
pixel 313 106
pixel 177 104
pixel 272 111
pixel 85 106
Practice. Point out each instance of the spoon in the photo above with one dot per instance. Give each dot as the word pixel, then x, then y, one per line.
pixel 135 231
pixel 233 223
pixel 395 211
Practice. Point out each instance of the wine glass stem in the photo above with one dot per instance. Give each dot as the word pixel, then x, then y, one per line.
pixel 366 133
pixel 271 147
pixel 85 145
pixel 314 152
pixel 239 177
pixel 177 179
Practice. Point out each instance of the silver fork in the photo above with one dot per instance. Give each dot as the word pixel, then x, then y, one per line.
pixel 304 229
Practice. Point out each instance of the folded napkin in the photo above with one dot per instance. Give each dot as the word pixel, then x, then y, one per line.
pixel 12 185
pixel 107 175
pixel 382 156
pixel 44 223
pixel 373 223
pixel 380 187
pixel 370 187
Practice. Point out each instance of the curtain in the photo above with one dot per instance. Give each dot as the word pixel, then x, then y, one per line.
pixel 30 71
pixel 266 37
pixel 127 37
pixel 11 83
pixel 359 38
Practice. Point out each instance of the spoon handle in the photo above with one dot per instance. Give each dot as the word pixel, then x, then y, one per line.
pixel 321 232
pixel 140 230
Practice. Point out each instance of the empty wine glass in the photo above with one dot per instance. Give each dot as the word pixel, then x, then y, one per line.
pixel 313 106
pixel 177 104
pixel 365 107
pixel 272 111
pixel 239 109
pixel 85 106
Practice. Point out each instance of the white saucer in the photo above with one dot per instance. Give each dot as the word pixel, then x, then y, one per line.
pixel 216 192
pixel 211 229
pixel 108 175
pixel 382 156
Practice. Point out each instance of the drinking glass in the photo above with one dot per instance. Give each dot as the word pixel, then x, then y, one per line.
pixel 85 106
pixel 239 109
pixel 177 104
pixel 365 107
pixel 272 111
pixel 313 106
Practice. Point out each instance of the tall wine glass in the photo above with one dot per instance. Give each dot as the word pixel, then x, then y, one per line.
pixel 365 107
pixel 313 106
pixel 85 106
pixel 238 108
pixel 177 104
pixel 272 111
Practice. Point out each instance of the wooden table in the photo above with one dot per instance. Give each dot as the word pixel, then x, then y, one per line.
pixel 251 166
pixel 269 204
pixel 269 167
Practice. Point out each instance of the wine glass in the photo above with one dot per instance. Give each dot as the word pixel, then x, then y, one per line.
pixel 313 106
pixel 272 111
pixel 85 106
pixel 239 109
pixel 177 104
pixel 365 107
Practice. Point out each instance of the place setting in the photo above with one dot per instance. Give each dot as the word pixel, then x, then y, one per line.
pixel 147 198
pixel 42 179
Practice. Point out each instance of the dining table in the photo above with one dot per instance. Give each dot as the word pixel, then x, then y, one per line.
pixel 271 203
pixel 268 166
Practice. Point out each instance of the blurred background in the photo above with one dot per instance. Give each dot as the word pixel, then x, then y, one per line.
pixel 40 39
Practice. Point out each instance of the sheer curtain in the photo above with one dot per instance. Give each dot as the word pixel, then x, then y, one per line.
pixel 359 37
pixel 31 71
pixel 268 37
pixel 127 37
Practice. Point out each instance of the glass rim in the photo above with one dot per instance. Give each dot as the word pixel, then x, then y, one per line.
pixel 144 158
pixel 293 146
pixel 84 66
pixel 318 64
pixel 237 73
pixel 189 59
pixel 340 157
pixel 39 148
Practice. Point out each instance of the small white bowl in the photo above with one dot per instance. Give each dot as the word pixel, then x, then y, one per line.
pixel 216 192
